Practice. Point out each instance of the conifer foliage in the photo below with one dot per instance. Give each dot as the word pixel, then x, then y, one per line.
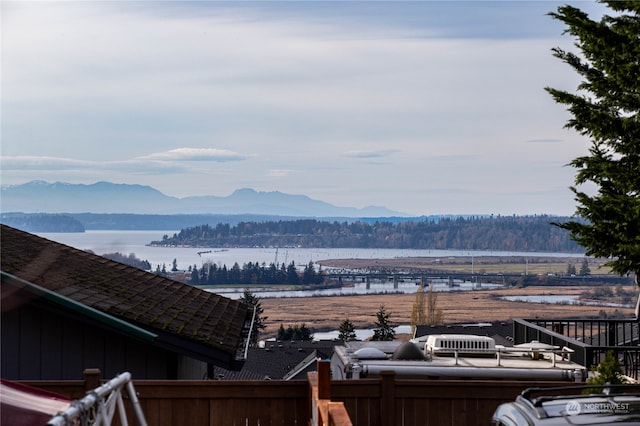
pixel 605 109
pixel 346 331
pixel 295 332
pixel 383 330
pixel 608 372
pixel 253 302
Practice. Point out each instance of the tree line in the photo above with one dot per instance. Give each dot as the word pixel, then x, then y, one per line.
pixel 503 233
pixel 41 222
pixel 130 260
pixel 254 273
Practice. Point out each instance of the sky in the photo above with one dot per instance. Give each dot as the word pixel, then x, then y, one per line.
pixel 423 107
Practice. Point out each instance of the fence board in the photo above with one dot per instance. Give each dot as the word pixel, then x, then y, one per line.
pixel 413 402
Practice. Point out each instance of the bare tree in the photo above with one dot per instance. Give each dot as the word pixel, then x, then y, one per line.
pixel 418 311
pixel 434 314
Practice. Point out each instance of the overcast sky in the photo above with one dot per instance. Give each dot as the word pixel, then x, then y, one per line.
pixel 423 107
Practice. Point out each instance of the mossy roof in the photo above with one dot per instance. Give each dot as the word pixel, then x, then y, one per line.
pixel 158 304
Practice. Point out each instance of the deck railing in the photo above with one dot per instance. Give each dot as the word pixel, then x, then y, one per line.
pixel 591 339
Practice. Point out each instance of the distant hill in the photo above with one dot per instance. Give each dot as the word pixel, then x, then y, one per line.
pixel 107 197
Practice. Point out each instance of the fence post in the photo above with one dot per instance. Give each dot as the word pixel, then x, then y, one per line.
pixel 387 397
pixel 324 380
pixel 91 378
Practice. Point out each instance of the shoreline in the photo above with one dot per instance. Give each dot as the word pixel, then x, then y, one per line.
pixel 325 313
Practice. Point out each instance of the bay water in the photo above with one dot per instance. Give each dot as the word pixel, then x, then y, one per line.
pixel 137 242
pixel 126 242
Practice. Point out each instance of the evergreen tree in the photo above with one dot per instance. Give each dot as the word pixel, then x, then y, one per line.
pixel 309 274
pixel 347 331
pixel 234 275
pixel 605 109
pixel 282 333
pixel 195 276
pixel 607 372
pixel 253 302
pixel 383 330
pixel 292 274
pixel 571 269
pixel 584 269
pixel 295 332
pixel 302 333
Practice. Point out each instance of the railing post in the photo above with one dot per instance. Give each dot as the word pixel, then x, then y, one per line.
pixel 387 397
pixel 612 335
pixel 91 378
pixel 324 380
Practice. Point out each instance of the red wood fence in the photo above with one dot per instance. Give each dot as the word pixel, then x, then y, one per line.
pixel 368 402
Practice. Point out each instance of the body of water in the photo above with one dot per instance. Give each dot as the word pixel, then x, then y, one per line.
pixel 561 300
pixel 361 334
pixel 374 287
pixel 126 242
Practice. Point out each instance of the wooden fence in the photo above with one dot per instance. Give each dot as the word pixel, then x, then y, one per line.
pixel 369 402
pixel 324 411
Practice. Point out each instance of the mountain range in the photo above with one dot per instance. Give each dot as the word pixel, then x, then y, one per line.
pixel 108 197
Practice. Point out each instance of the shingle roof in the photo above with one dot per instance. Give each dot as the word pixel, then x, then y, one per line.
pixel 171 308
pixel 278 358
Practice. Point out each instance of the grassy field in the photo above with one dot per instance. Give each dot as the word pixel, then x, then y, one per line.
pixel 326 313
pixel 480 265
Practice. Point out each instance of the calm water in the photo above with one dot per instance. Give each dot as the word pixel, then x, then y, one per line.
pixel 127 242
pixel 561 299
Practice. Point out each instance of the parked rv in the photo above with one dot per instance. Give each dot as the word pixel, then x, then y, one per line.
pixel 456 356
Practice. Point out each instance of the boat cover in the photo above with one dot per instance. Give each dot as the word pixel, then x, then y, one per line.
pixel 23 405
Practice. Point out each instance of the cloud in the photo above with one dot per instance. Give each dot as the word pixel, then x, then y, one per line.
pixel 195 154
pixel 43 163
pixel 550 140
pixel 278 173
pixel 308 95
pixel 69 165
pixel 370 154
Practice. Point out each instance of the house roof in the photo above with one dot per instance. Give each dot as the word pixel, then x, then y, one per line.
pixel 186 319
pixel 278 359
pixel 11 283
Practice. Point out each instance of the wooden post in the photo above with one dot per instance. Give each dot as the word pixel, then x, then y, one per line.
pixel 387 397
pixel 91 378
pixel 324 380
